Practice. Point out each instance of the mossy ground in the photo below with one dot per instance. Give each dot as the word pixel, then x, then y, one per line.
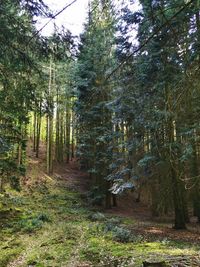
pixel 50 225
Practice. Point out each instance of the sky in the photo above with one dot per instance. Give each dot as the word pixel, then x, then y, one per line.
pixel 72 18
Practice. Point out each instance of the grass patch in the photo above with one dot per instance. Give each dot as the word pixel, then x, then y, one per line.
pixel 8 254
pixel 55 228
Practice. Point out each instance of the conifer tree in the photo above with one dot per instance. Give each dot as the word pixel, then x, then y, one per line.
pixel 94 92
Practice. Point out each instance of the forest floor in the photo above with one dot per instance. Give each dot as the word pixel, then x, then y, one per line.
pixel 50 224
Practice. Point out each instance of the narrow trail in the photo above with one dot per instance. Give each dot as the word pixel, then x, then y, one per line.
pixel 68 172
pixel 78 180
pixel 65 177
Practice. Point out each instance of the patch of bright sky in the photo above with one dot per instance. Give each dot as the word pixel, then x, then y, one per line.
pixel 72 18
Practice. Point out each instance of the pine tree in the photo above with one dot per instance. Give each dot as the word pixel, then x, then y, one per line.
pixel 94 93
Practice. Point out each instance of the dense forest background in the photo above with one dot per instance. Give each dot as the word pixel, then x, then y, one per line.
pixel 125 108
pixel 99 125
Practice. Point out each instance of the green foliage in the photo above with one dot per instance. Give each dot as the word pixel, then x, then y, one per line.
pixel 43 217
pixel 144 162
pixel 155 124
pixel 18 61
pixel 15 183
pixel 69 237
pixel 95 196
pixel 33 223
pixel 22 169
pixel 97 217
pixel 111 224
pixel 121 234
pixel 94 124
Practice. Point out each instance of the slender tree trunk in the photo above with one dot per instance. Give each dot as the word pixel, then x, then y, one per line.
pixel 34 130
pixel 39 118
pixel 67 129
pixel 50 126
pixel 73 138
pixel 57 154
pixel 196 188
pixel 1 183
pixel 20 150
pixel 178 199
pixel 61 139
pixel 50 146
pixel 114 197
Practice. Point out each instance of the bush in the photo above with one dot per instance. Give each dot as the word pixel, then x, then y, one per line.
pixel 32 224
pixel 111 224
pixel 98 216
pixel 121 234
pixel 43 217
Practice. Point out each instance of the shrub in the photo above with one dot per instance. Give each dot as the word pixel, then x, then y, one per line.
pixel 32 224
pixel 43 217
pixel 29 225
pixel 121 234
pixel 111 224
pixel 98 216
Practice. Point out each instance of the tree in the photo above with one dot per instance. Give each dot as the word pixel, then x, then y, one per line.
pixel 93 94
pixel 149 104
pixel 17 66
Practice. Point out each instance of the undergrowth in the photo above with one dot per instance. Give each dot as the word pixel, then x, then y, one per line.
pixel 54 227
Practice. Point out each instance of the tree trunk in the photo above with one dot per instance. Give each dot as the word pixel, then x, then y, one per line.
pixel 67 129
pixel 39 118
pixel 34 130
pixel 178 199
pixel 50 125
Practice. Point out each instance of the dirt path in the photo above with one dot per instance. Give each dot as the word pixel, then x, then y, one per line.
pixel 63 187
pixel 140 214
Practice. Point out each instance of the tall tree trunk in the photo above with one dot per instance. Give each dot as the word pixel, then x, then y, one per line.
pixel 73 138
pixel 178 198
pixel 67 129
pixel 50 125
pixel 61 139
pixel 196 188
pixel 57 151
pixel 34 130
pixel 50 146
pixel 39 118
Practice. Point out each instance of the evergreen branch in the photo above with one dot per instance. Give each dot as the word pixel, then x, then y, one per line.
pixel 53 17
pixel 148 39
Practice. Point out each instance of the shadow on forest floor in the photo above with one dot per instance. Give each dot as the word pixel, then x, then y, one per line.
pixel 49 223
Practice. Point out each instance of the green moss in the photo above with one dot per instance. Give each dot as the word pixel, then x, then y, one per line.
pixel 128 221
pixel 60 230
pixel 101 247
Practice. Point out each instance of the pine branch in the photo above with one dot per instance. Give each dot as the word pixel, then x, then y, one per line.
pixel 148 39
pixel 53 17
